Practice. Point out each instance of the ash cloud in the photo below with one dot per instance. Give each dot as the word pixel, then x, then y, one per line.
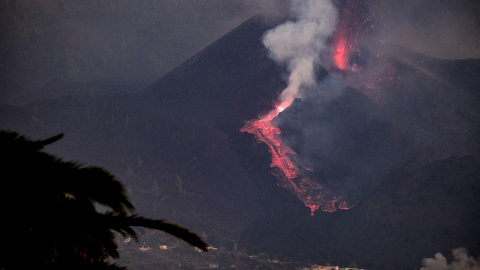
pixel 298 43
pixel 440 28
pixel 461 261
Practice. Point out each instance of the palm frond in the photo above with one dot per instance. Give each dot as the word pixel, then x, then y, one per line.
pixel 98 185
pixel 41 143
pixel 57 208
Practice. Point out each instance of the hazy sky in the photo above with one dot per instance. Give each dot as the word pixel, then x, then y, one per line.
pixel 129 40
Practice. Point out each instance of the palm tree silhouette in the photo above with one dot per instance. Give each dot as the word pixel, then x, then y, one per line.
pixel 49 215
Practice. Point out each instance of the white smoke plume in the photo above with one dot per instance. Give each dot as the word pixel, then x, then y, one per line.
pixel 298 43
pixel 461 261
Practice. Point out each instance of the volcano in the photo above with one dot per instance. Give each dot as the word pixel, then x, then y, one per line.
pixel 400 136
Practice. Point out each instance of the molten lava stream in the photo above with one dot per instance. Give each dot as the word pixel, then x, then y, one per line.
pixel 289 167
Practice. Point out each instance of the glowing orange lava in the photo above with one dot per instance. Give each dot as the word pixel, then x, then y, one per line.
pixel 340 56
pixel 289 168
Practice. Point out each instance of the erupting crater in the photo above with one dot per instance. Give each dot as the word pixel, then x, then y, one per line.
pixel 300 53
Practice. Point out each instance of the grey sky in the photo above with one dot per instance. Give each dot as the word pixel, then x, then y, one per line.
pixel 129 40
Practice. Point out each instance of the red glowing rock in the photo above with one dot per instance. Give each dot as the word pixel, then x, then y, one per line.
pixel 341 54
pixel 289 167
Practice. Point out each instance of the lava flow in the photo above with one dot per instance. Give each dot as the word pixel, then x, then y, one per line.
pixel 289 168
pixel 299 44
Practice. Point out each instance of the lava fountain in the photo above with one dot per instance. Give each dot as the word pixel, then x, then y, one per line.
pixel 356 22
pixel 341 52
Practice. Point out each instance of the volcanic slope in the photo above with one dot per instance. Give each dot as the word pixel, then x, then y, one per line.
pixel 167 142
pixel 402 138
pixel 178 148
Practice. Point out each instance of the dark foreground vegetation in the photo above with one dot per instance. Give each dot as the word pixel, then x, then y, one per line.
pixel 50 216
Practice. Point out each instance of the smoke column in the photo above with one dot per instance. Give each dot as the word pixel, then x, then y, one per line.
pixel 298 45
pixel 461 261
